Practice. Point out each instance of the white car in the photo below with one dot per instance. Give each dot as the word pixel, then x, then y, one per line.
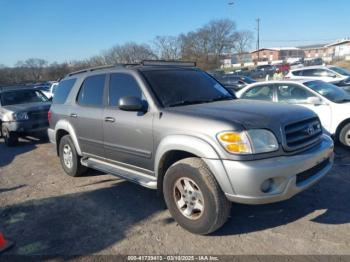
pixel 330 74
pixel 330 102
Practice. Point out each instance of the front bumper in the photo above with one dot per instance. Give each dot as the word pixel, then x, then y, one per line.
pixel 290 174
pixel 27 126
pixel 52 136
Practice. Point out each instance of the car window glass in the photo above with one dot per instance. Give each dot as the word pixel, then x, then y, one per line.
pixel 62 91
pixel 292 94
pixel 121 85
pixel 260 93
pixel 91 91
pixel 297 73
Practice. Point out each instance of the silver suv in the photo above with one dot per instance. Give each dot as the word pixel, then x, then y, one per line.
pixel 172 127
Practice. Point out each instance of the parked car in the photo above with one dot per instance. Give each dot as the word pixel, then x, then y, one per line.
pixel 172 127
pixel 262 71
pixel 330 74
pixel 53 88
pixel 45 89
pixel 22 111
pixel 234 82
pixel 331 103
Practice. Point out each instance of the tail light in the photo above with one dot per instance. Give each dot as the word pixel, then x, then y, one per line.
pixel 49 115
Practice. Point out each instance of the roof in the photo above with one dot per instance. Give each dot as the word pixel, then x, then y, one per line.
pixel 276 49
pixel 316 46
pixel 310 67
pixel 10 88
pixel 339 43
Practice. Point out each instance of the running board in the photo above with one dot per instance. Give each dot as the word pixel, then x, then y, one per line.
pixel 130 175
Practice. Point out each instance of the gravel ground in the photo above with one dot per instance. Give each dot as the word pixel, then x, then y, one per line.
pixel 49 213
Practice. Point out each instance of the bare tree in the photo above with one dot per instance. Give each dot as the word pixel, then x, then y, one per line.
pixel 35 67
pixel 208 43
pixel 243 43
pixel 167 47
pixel 128 53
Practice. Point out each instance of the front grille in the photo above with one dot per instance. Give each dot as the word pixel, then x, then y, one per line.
pixel 302 134
pixel 37 115
pixel 311 172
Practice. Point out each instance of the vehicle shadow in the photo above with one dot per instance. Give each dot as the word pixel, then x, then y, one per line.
pixel 26 144
pixel 80 223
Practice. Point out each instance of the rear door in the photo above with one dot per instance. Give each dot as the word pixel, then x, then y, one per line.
pixel 128 136
pixel 87 115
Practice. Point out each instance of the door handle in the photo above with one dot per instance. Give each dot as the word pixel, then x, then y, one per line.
pixel 110 119
pixel 74 115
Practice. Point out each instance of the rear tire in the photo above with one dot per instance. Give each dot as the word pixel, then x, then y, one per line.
pixel 70 160
pixel 10 138
pixel 194 198
pixel 344 135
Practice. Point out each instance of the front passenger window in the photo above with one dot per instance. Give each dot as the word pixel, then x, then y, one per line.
pixel 292 94
pixel 121 85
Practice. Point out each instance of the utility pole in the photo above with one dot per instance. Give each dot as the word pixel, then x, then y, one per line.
pixel 258 38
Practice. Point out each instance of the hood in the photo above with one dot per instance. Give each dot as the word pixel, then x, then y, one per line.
pixel 30 107
pixel 250 114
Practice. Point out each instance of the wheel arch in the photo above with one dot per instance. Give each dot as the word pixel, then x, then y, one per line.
pixel 177 147
pixel 63 128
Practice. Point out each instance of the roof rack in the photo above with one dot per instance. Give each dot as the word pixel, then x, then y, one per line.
pixel 168 63
pixel 91 69
pixel 143 63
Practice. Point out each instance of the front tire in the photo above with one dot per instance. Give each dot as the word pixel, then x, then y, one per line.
pixel 70 160
pixel 10 138
pixel 344 135
pixel 194 198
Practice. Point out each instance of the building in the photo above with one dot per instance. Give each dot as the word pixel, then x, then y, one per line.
pixel 339 49
pixel 275 54
pixel 314 51
pixel 241 58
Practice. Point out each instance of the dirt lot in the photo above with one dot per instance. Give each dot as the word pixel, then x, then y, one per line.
pixel 49 213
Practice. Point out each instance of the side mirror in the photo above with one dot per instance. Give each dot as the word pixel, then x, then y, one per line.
pixel 314 100
pixel 131 103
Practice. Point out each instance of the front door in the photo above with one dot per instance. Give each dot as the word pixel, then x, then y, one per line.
pixel 294 94
pixel 128 136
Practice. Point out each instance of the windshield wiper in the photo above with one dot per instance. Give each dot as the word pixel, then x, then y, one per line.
pixel 221 98
pixel 184 103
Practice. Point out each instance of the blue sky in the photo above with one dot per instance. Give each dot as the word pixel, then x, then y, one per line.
pixel 64 30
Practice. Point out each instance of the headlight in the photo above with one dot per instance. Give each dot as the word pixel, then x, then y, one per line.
pixel 20 116
pixel 253 141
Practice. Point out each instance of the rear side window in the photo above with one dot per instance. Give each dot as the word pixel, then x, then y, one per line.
pixel 62 91
pixel 91 91
pixel 263 93
pixel 121 85
pixel 297 73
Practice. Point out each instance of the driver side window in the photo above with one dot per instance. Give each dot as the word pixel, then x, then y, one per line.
pixel 263 93
pixel 292 94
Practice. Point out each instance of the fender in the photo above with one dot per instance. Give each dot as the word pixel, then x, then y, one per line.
pixel 65 125
pixel 200 148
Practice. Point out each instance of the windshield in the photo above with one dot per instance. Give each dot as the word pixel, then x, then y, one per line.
pixel 330 91
pixel 22 97
pixel 42 88
pixel 175 87
pixel 340 70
